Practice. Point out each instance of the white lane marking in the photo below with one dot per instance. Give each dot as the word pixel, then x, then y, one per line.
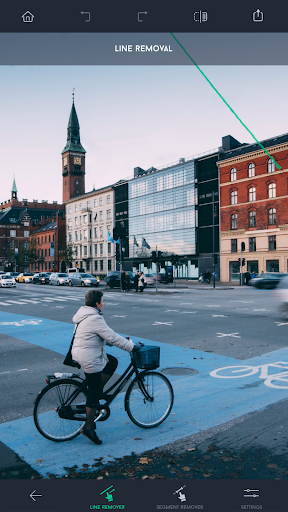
pixel 112 304
pixel 281 323
pixel 15 302
pixel 163 323
pixel 168 310
pixel 213 306
pixel 149 300
pixel 23 322
pixel 232 335
pixel 186 303
pixel 244 301
pixel 23 370
pixel 60 300
pixel 61 307
pixel 2 373
pixel 46 300
pixel 136 307
pixel 190 312
pixel 5 304
pixel 32 301
pixel 260 309
pixel 118 316
pixel 225 316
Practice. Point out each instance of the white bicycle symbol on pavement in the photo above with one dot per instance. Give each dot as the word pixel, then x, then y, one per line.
pixel 277 380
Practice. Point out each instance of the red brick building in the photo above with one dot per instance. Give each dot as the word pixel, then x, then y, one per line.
pixel 254 207
pixel 17 220
pixel 48 246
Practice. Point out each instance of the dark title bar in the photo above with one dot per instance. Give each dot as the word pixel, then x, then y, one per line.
pixel 146 16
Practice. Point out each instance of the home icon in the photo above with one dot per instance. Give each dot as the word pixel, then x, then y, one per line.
pixel 27 17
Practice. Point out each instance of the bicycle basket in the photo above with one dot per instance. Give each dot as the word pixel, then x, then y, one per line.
pixel 147 358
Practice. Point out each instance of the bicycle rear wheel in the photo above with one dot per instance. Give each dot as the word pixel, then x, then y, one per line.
pixel 149 399
pixel 53 418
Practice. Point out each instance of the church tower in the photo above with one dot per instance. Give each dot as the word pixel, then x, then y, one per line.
pixel 14 190
pixel 73 159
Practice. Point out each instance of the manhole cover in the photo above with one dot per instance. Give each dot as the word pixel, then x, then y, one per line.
pixel 179 371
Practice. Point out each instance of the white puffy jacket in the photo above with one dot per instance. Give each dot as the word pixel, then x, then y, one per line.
pixel 90 338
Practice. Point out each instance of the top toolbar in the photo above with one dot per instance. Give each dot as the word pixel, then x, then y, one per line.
pixel 145 16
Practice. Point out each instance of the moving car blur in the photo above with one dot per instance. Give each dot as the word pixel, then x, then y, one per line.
pixel 25 277
pixel 79 279
pixel 267 280
pixel 41 278
pixel 58 278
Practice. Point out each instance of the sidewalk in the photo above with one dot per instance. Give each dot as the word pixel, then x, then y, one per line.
pixel 182 286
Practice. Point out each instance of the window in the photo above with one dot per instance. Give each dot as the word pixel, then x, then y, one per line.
pixel 101 264
pixel 26 245
pixel 252 244
pixel 76 251
pixel 88 205
pixel 80 207
pixel 272 242
pixel 233 174
pixel 76 207
pixel 85 219
pixel 251 170
pixel 272 216
pixel 252 219
pixel 271 165
pixel 234 245
pixel 95 249
pixel 41 239
pixel 26 234
pixel 80 235
pixel 90 250
pixel 80 220
pixel 76 221
pixel 95 202
pixel 53 238
pixel 109 265
pixel 69 209
pixel 100 215
pixel 108 199
pixel 234 197
pixel 95 232
pixel 12 233
pixel 90 234
pixel 45 253
pixel 85 234
pixel 252 194
pixel 49 238
pixel 26 223
pixel 76 236
pixel 109 247
pixel 100 201
pixel 108 213
pixel 85 250
pixel 101 249
pixel 272 190
pixel 234 221
pixel 96 265
pixel 69 237
pixel 70 222
pixel 101 231
pixel 46 239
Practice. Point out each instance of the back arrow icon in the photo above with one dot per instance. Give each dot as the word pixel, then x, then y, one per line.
pixel 32 495
pixel 86 12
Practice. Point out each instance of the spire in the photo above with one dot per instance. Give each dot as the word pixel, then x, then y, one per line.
pixel 73 132
pixel 14 189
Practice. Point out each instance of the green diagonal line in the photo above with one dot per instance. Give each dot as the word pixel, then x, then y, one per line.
pixel 233 111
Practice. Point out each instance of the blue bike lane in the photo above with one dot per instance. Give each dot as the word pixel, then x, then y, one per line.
pixel 201 401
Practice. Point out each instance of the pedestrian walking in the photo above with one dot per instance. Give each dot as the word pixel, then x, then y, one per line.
pixel 127 282
pixel 142 282
pixel 136 279
pixel 247 277
pixel 122 278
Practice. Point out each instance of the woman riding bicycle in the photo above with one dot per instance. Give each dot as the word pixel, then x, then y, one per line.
pixel 89 351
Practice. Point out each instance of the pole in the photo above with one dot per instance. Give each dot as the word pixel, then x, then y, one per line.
pixel 213 214
pixel 156 270
pixel 241 267
pixel 120 256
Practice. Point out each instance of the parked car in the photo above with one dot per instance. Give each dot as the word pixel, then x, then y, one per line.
pixel 25 277
pixel 113 279
pixel 267 280
pixel 77 279
pixel 7 281
pixel 41 278
pixel 58 278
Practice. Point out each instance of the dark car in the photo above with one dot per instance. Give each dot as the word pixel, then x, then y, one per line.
pixel 41 278
pixel 267 280
pixel 113 279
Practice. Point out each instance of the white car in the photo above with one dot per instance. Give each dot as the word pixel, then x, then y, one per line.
pixel 7 281
pixel 58 278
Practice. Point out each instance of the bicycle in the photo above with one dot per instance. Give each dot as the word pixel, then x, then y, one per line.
pixel 59 411
pixel 235 372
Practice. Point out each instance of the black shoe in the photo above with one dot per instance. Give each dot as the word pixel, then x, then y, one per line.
pixel 93 437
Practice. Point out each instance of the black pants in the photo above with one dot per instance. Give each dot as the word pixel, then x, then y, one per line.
pixel 95 384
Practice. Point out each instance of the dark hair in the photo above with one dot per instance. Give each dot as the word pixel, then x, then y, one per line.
pixel 92 297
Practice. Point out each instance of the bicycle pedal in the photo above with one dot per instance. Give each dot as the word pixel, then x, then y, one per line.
pixel 100 414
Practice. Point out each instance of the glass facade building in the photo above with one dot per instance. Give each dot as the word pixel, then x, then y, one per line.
pixel 163 212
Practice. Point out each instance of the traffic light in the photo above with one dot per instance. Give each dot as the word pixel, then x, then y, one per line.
pixel 153 254
pixel 239 260
pixel 174 260
pixel 117 252
pixel 159 255
pixel 215 259
pixel 242 246
pixel 243 262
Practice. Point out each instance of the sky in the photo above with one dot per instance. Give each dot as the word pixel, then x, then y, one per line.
pixel 129 116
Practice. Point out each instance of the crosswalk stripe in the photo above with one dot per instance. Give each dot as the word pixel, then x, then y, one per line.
pixel 5 304
pixel 15 302
pixel 31 300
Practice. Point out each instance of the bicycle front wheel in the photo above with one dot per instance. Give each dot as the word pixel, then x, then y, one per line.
pixel 149 399
pixel 53 418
